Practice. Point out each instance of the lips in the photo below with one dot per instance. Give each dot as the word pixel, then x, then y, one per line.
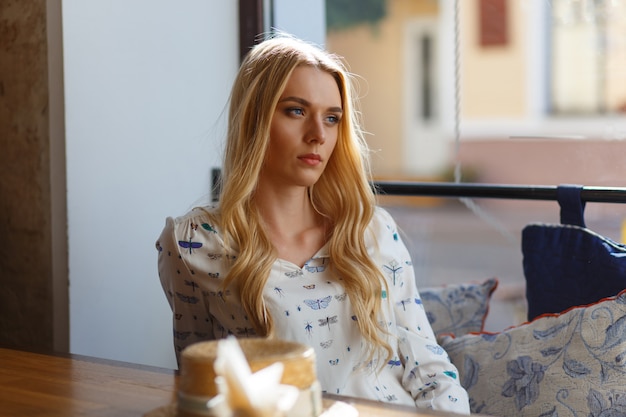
pixel 311 159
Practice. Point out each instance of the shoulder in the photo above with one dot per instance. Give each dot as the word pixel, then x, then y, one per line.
pixel 198 223
pixel 205 217
pixel 382 230
pixel 382 222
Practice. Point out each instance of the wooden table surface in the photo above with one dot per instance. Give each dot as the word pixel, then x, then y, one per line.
pixel 33 384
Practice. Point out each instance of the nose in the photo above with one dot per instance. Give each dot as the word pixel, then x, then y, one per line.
pixel 316 131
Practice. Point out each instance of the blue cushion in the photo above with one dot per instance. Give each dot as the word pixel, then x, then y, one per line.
pixel 567 266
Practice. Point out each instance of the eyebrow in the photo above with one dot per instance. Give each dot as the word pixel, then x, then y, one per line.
pixel 307 103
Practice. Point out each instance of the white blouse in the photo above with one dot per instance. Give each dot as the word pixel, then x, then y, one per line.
pixel 309 305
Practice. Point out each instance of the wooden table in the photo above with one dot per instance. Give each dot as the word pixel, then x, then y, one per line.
pixel 33 384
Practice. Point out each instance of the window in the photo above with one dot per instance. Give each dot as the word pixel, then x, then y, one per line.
pixel 588 57
pixel 504 92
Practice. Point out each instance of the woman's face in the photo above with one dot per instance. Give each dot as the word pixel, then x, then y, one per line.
pixel 304 128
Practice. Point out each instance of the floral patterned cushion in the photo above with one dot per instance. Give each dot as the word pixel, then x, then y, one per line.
pixel 568 364
pixel 458 308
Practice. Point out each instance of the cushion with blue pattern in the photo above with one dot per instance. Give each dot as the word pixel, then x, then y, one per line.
pixel 567 364
pixel 458 308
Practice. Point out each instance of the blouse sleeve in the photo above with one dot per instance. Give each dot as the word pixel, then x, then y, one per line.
pixel 191 319
pixel 429 376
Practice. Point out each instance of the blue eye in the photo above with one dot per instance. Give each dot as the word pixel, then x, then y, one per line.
pixel 333 119
pixel 295 111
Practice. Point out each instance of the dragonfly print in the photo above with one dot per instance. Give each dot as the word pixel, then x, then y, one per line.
pixel 394 362
pixel 187 299
pixel 327 321
pixel 220 294
pixel 189 245
pixel 308 328
pixel 394 270
pixel 403 303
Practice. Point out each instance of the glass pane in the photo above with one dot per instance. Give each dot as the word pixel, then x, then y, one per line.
pixel 527 92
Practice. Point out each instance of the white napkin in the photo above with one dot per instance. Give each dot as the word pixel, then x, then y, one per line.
pixel 258 394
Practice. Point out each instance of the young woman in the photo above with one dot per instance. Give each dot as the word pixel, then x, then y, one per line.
pixel 297 248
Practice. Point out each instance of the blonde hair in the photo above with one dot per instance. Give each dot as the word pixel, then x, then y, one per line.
pixel 343 194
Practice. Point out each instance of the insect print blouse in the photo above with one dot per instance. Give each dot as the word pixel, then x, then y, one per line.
pixel 309 305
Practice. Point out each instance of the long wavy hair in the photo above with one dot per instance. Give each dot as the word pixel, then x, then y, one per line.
pixel 342 194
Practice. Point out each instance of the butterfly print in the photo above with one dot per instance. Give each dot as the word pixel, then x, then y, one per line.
pixel 214 256
pixel 294 274
pixel 320 303
pixel 181 335
pixel 320 268
pixel 189 245
pixel 326 344
pixel 438 350
pixel 309 287
pixel 333 362
pixel 341 297
pixel 213 274
pixel 314 269
pixel 279 291
pixel 245 331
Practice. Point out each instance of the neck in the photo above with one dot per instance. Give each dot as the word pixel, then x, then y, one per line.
pixel 286 209
pixel 293 226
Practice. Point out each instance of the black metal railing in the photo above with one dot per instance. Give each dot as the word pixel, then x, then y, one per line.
pixel 504 191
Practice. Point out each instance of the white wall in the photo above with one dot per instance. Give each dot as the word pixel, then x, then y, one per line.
pixel 146 82
pixel 305 19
